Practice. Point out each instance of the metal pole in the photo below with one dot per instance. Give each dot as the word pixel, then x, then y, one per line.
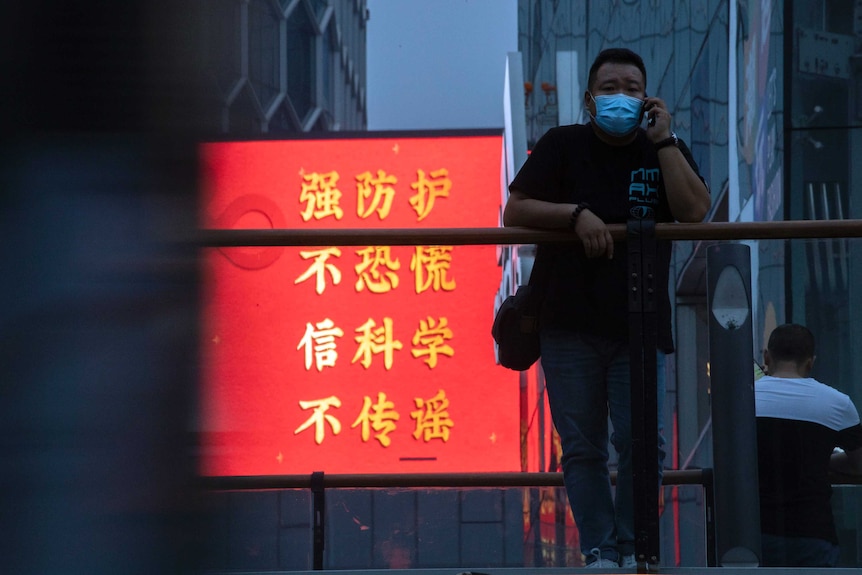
pixel 641 243
pixel 318 494
pixel 730 231
pixel 709 515
pixel 734 426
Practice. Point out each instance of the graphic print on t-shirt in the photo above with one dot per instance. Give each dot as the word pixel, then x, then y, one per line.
pixel 643 193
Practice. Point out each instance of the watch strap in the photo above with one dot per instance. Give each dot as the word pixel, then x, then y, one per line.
pixel 576 212
pixel 671 141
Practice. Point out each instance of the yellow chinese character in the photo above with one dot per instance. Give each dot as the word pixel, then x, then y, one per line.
pixel 369 273
pixel 432 335
pixel 320 343
pixel 380 417
pixel 319 416
pixel 373 341
pixel 427 190
pixel 378 191
pixel 429 266
pixel 432 419
pixel 319 266
pixel 320 196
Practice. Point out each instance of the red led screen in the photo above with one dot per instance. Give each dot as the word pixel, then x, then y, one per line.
pixel 354 359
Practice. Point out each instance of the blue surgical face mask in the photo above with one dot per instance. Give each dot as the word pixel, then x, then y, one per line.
pixel 617 114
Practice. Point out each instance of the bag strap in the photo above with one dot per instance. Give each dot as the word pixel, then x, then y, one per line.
pixel 541 272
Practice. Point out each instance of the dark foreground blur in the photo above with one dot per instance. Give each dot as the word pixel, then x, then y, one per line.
pixel 98 353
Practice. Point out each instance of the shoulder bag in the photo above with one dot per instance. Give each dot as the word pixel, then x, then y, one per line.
pixel 516 325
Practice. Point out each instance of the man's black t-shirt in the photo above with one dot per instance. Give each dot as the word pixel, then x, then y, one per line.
pixel 570 164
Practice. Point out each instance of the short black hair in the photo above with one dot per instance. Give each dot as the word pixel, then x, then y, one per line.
pixel 791 342
pixel 616 56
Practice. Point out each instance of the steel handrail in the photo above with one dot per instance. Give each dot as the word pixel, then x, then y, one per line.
pixel 519 235
pixel 414 480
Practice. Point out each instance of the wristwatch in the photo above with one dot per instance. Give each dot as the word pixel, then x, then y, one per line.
pixel 576 212
pixel 672 141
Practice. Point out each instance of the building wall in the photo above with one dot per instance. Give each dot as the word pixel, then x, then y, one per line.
pixel 729 71
pixel 285 67
pixel 366 529
pixel 824 181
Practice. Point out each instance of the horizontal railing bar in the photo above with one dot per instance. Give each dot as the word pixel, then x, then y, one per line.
pixel 413 480
pixel 512 479
pixel 521 236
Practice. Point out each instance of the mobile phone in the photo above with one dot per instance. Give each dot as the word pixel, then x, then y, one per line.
pixel 650 117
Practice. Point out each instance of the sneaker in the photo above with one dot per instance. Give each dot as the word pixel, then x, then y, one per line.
pixel 628 562
pixel 600 562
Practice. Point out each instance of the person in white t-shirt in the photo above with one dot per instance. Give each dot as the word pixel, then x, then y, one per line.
pixel 800 423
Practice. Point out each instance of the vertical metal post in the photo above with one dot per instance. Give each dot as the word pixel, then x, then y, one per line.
pixel 734 424
pixel 644 401
pixel 536 526
pixel 318 511
pixel 709 515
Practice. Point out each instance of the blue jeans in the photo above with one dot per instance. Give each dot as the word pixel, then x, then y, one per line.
pixel 586 377
pixel 781 551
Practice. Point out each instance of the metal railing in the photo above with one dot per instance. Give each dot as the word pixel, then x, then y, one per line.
pixel 413 480
pixel 520 236
pixel 318 482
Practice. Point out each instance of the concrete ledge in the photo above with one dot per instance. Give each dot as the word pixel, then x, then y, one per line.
pixel 556 571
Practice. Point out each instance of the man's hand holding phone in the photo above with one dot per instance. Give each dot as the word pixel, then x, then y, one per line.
pixel 658 119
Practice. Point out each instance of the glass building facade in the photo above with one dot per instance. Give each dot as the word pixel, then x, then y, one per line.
pixel 730 72
pixel 285 67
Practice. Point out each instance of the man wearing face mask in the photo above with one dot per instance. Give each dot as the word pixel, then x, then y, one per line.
pixel 583 177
